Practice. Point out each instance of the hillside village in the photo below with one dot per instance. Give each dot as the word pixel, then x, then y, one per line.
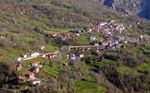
pixel 70 54
pixel 74 46
pixel 36 66
pixel 112 35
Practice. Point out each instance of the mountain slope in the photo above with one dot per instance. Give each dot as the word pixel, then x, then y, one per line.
pixel 145 6
pixel 54 13
pixel 25 24
pixel 139 7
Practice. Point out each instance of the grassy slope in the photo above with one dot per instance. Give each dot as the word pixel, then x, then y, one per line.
pixel 54 71
pixel 84 38
pixel 82 85
pixel 145 67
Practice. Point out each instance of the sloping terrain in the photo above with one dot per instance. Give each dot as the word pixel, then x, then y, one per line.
pixel 55 13
pixel 25 25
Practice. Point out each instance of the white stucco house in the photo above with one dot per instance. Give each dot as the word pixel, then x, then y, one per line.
pixel 92 38
pixel 18 58
pixel 36 81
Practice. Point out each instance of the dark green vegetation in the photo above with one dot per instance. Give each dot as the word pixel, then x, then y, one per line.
pixel 25 24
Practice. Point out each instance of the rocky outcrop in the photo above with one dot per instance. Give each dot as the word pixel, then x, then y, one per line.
pixel 145 6
pixel 139 7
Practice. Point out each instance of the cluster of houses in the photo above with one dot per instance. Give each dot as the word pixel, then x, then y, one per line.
pixel 104 27
pixel 36 54
pixel 111 42
pixel 49 55
pixel 28 55
pixel 97 51
pixel 30 77
pixel 63 36
pixel 107 28
pixel 36 66
pixel 73 56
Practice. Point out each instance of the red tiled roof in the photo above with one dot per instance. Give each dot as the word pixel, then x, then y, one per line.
pixel 34 70
pixel 37 62
pixel 22 78
pixel 72 35
pixel 30 73
pixel 42 54
pixel 66 33
pixel 52 34
pixel 36 79
pixel 19 66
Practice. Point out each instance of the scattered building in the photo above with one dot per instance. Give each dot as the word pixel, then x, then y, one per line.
pixel 52 34
pixel 96 44
pixel 65 64
pixel 134 40
pixel 31 75
pixel 24 56
pixel 51 55
pixel 72 56
pixel 92 38
pixel 96 52
pixel 107 35
pixel 122 38
pixel 67 56
pixel 36 81
pixel 115 42
pixel 117 45
pixel 104 43
pixel 111 48
pixel 124 41
pixel 18 58
pixel 123 46
pixel 21 80
pixel 34 54
pixel 35 64
pixel 81 55
pixel 42 47
pixel 77 34
pixel 35 70
pixel 43 55
pixel 19 67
